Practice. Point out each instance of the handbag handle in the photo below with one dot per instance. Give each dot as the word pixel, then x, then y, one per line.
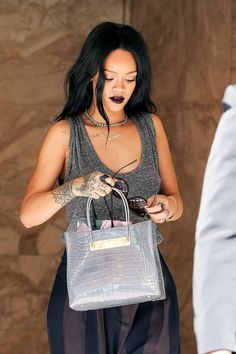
pixel 126 207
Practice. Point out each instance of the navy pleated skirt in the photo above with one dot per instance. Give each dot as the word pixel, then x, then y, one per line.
pixel 147 328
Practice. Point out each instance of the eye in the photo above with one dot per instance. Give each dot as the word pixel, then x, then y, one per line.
pixel 108 78
pixel 130 80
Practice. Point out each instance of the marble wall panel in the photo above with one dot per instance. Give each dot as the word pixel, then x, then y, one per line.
pixel 39 41
pixel 191 48
pixel 26 282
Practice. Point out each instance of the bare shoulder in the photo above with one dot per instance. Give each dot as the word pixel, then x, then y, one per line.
pixel 157 124
pixel 56 141
pixel 59 133
pixel 51 159
pixel 60 128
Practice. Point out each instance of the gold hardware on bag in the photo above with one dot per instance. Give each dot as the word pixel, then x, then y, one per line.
pixel 109 243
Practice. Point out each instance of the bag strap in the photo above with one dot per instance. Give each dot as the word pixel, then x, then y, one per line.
pixel 126 208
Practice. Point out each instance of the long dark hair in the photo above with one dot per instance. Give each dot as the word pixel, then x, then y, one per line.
pixel 100 42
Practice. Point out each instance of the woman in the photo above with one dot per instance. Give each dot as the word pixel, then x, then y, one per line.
pixel 107 128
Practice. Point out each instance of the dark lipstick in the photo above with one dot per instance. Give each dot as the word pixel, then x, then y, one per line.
pixel 117 99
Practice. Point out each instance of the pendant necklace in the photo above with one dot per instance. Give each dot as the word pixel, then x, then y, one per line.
pixel 111 137
pixel 115 136
pixel 99 125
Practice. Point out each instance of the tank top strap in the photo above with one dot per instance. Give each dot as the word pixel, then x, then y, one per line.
pixel 76 139
pixel 145 123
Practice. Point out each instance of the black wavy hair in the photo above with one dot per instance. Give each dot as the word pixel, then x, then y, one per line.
pixel 100 42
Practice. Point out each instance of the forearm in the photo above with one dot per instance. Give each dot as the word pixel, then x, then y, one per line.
pixel 41 206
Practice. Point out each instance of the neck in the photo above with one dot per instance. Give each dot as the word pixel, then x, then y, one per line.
pixel 114 117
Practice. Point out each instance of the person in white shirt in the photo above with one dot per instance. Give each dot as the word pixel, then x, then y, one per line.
pixel 214 274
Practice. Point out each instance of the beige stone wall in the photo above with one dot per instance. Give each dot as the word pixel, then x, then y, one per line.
pixel 192 47
pixel 193 50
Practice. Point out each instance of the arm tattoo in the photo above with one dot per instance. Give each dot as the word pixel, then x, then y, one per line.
pixel 64 194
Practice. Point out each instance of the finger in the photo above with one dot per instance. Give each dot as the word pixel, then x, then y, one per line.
pixel 156 219
pixel 151 201
pixel 159 215
pixel 104 187
pixel 167 211
pixel 154 209
pixel 107 180
pixel 162 204
pixel 101 192
pixel 161 221
pixel 103 178
pixel 155 201
pixel 110 181
pixel 158 206
pixel 94 195
pixel 107 189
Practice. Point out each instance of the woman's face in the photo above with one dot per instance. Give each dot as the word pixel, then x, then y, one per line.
pixel 120 72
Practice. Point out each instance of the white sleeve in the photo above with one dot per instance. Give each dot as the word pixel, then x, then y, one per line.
pixel 214 276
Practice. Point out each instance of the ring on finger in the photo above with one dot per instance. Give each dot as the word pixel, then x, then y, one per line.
pixel 162 205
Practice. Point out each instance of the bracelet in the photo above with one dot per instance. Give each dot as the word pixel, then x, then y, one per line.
pixel 175 210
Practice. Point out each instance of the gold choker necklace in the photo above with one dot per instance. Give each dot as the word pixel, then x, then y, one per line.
pixel 98 124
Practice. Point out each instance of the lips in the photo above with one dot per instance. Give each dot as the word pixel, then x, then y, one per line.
pixel 117 99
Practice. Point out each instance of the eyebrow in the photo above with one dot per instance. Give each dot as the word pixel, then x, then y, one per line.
pixel 114 72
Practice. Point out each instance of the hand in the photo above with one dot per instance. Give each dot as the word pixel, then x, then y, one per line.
pixel 93 186
pixel 158 208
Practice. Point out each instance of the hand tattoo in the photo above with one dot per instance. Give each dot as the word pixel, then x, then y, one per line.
pixel 68 191
pixel 89 184
pixel 64 194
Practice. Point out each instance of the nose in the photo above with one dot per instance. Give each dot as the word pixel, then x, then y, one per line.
pixel 119 85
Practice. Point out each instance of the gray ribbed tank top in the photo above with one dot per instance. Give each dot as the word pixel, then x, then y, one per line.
pixel 143 181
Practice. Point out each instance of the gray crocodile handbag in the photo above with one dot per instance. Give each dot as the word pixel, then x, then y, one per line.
pixel 115 266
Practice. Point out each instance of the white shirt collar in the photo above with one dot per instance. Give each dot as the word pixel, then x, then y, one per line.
pixel 230 96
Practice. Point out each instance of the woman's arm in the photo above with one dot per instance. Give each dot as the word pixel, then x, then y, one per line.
pixel 170 195
pixel 42 200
